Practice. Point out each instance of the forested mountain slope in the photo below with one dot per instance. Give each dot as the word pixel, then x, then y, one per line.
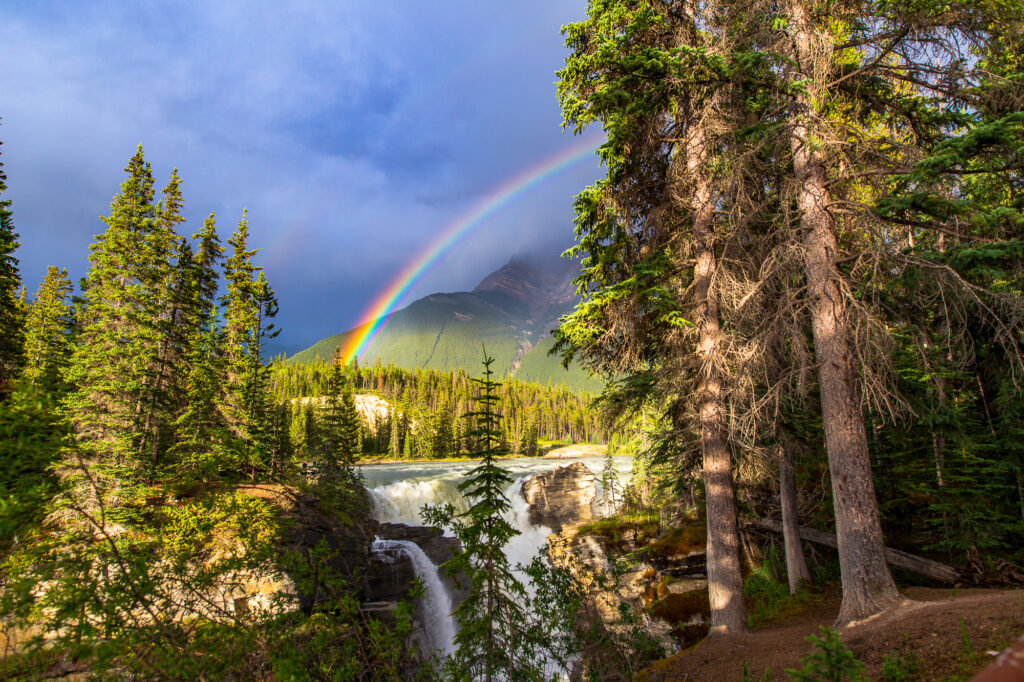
pixel 511 312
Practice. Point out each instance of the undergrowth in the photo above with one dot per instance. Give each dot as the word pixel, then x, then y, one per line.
pixel 767 596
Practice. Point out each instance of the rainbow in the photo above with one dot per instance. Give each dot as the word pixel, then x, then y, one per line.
pixel 376 316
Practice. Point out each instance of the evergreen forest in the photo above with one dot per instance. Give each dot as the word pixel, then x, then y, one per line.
pixel 426 413
pixel 802 288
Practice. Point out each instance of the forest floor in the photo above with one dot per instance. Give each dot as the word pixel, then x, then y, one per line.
pixel 942 634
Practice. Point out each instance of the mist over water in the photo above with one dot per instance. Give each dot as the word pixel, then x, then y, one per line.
pixel 399 491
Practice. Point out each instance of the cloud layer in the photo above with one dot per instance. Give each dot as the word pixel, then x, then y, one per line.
pixel 353 132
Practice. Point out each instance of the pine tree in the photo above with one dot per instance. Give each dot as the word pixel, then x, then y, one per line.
pixel 117 403
pixel 652 234
pixel 48 332
pixel 443 443
pixel 341 439
pixel 610 479
pixel 394 442
pixel 492 641
pixel 249 307
pixel 200 438
pixel 350 446
pixel 11 319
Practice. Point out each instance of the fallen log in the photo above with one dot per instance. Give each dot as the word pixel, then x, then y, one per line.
pixel 894 557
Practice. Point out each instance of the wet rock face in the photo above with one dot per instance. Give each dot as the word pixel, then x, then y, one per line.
pixel 433 543
pixel 390 576
pixel 560 497
pixel 348 546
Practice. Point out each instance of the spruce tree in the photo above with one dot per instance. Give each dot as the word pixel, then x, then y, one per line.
pixel 117 403
pixel 341 438
pixel 350 446
pixel 249 307
pixel 11 319
pixel 200 437
pixel 493 642
pixel 394 444
pixel 610 479
pixel 48 332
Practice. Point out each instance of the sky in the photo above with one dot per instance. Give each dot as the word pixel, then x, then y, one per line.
pixel 353 132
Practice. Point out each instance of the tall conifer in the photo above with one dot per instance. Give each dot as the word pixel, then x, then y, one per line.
pixel 115 367
pixel 11 319
pixel 199 434
pixel 249 307
pixel 48 332
pixel 492 639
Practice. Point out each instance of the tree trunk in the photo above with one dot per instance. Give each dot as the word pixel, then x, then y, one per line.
pixel 868 587
pixel 725 581
pixel 796 565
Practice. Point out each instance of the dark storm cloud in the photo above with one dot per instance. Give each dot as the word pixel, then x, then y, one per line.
pixel 353 132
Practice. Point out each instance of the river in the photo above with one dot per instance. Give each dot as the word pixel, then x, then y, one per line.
pixel 399 491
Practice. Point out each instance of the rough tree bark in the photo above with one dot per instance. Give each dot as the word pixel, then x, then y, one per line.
pixel 725 581
pixel 868 587
pixel 796 565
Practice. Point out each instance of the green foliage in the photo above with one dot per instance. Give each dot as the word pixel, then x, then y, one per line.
pixel 620 529
pixel 249 307
pixel 201 444
pixel 48 329
pixel 120 399
pixel 766 676
pixel 830 660
pixel 503 634
pixel 172 590
pixel 610 492
pixel 11 314
pixel 428 410
pixel 969 658
pixel 491 617
pixel 610 646
pixel 767 596
pixel 899 667
pixel 32 437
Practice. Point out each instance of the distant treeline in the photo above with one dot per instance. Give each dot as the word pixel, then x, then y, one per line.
pixel 428 411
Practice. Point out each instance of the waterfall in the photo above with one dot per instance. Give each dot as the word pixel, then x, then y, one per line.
pixel 531 539
pixel 438 625
pixel 401 501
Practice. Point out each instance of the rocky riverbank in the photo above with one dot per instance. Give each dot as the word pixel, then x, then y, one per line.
pixel 663 587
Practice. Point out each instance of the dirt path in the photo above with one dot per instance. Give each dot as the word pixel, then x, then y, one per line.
pixel 926 631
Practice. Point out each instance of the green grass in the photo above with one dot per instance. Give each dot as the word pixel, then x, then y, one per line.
pixel 767 597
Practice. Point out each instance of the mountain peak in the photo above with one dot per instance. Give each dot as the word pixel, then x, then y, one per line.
pixel 539 282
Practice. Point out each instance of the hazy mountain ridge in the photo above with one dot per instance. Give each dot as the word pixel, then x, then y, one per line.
pixel 511 311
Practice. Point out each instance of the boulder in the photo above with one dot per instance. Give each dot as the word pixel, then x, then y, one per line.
pixel 389 577
pixel 560 497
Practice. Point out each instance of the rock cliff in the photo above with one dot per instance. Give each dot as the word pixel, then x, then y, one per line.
pixel 561 497
pixel 390 578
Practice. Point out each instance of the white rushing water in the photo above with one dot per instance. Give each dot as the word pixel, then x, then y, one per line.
pixel 399 491
pixel 436 609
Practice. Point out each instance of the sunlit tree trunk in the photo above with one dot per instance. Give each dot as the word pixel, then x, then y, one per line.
pixel 868 587
pixel 725 581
